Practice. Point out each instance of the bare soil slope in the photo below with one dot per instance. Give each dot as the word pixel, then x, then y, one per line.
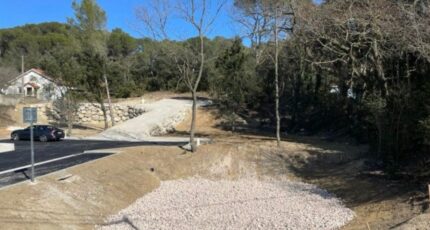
pixel 379 203
pixel 83 196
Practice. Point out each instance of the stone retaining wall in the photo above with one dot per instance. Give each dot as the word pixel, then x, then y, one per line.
pixel 91 113
pixel 9 100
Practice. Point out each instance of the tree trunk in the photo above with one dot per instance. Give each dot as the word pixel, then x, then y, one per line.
pixel 194 92
pixel 278 118
pixel 69 126
pixel 193 122
pixel 379 126
pixel 103 108
pixel 112 118
pixel 69 117
pixel 380 67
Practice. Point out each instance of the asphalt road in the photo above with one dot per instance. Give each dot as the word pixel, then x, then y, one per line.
pixel 52 150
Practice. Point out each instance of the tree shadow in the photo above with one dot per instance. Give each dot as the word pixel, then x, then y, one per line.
pixel 189 98
pixel 341 169
pixel 125 220
pixel 36 217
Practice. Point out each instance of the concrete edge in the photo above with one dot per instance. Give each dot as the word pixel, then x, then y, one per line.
pixel 49 174
pixel 7 147
pixel 161 139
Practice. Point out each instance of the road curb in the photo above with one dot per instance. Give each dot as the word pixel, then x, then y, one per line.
pixel 6 147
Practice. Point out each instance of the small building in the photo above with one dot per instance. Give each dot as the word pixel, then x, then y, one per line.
pixel 34 83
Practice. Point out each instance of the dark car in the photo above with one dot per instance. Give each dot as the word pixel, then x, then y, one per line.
pixel 41 132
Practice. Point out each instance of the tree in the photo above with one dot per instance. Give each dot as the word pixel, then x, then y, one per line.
pixel 200 16
pixel 90 20
pixel 120 44
pixel 252 17
pixel 375 52
pixel 33 42
pixel 234 84
pixel 6 74
pixel 121 48
pixel 268 21
pixel 64 65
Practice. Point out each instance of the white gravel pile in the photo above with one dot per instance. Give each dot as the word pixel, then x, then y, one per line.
pixel 159 118
pixel 245 204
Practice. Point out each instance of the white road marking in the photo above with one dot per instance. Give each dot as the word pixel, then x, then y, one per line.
pixel 41 163
pixel 6 147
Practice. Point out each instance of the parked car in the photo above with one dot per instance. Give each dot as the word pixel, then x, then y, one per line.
pixel 42 133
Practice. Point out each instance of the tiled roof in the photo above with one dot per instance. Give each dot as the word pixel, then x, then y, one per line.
pixel 32 84
pixel 38 71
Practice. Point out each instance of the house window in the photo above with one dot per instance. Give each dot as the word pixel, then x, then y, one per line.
pixel 19 90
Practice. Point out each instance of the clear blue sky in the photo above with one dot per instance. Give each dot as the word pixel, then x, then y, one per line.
pixel 120 13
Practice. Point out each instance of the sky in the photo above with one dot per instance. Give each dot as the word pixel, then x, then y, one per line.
pixel 120 14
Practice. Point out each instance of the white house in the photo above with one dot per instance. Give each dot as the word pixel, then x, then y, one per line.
pixel 34 83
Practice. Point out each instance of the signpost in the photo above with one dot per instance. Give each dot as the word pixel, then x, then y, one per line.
pixel 30 116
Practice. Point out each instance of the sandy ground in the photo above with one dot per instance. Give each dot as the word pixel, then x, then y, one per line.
pixel 102 188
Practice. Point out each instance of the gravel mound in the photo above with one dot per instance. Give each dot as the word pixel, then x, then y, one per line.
pixel 244 204
pixel 159 118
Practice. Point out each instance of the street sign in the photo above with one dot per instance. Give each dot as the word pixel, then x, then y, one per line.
pixel 29 115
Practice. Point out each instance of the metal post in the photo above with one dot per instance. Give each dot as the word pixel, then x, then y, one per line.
pixel 22 71
pixel 32 151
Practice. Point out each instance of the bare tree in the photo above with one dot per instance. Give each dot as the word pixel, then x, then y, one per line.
pixel 267 22
pixel 7 74
pixel 253 21
pixel 416 21
pixel 375 43
pixel 66 106
pixel 200 15
pixel 106 84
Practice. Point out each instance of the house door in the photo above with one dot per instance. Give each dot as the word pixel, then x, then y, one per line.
pixel 29 92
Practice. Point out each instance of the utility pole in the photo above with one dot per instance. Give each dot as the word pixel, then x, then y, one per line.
pixel 22 63
pixel 22 71
pixel 32 149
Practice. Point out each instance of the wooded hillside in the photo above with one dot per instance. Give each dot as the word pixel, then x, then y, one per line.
pixel 340 68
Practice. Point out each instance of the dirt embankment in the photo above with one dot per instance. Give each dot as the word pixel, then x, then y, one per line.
pixel 103 187
pixel 341 168
pixel 83 196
